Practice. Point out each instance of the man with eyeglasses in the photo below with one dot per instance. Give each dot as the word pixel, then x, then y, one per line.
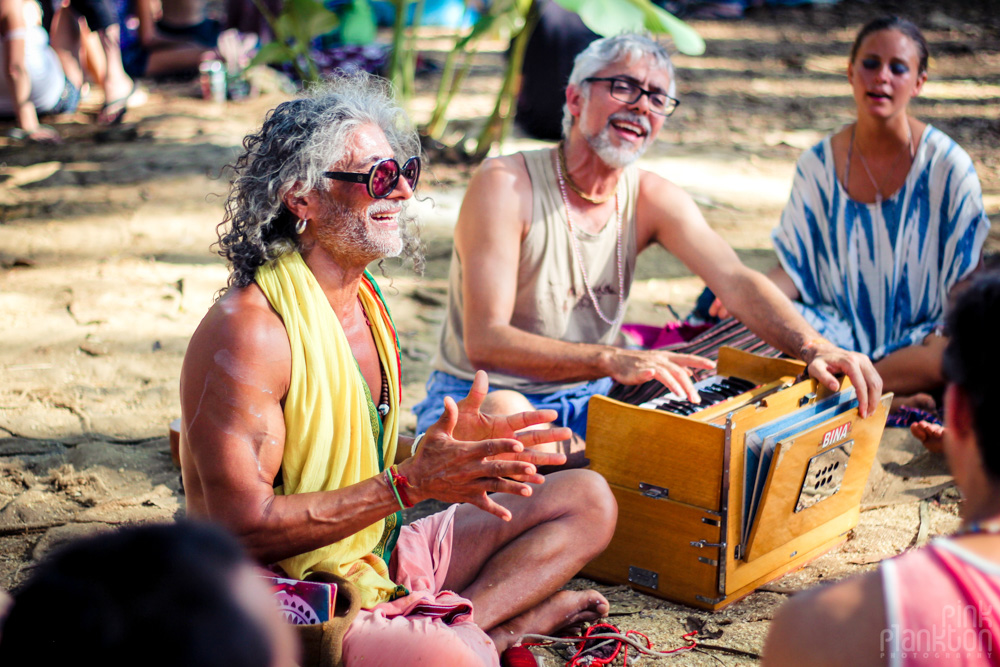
pixel 545 250
pixel 290 400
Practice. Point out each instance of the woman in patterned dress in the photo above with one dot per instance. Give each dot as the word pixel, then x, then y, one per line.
pixel 885 218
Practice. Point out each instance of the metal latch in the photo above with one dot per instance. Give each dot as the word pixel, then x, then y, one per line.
pixel 651 491
pixel 701 544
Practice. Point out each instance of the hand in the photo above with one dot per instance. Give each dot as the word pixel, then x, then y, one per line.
pixel 44 134
pixel 475 425
pixel 673 370
pixel 718 310
pixel 466 471
pixel 826 359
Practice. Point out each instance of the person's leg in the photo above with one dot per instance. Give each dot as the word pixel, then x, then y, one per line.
pixel 912 370
pixel 511 571
pixel 64 38
pixel 373 640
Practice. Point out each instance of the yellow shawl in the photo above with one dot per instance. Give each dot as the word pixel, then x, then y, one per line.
pixel 329 442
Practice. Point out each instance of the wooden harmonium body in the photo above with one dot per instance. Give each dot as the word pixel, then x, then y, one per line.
pixel 719 501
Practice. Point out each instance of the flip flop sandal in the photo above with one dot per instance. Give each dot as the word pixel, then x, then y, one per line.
pixel 117 117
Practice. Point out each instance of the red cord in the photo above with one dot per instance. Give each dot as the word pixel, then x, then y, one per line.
pixel 576 660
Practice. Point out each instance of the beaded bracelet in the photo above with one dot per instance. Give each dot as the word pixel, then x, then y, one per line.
pixel 400 484
pixel 392 485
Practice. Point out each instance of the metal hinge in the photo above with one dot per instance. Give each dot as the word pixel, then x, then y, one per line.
pixel 652 491
pixel 701 544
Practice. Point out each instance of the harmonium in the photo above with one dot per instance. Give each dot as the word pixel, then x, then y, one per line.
pixel 720 498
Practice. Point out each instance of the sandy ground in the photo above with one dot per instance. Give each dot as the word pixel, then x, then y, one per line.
pixel 105 271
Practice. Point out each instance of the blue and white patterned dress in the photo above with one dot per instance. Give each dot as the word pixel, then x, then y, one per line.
pixel 875 281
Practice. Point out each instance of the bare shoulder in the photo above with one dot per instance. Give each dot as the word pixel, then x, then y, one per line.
pixel 838 624
pixel 665 210
pixel 240 344
pixel 498 200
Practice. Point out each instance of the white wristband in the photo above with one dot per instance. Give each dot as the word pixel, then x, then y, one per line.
pixel 416 443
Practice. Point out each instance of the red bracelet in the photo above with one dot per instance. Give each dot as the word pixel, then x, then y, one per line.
pixel 401 484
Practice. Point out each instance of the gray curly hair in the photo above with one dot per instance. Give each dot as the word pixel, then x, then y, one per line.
pixel 299 140
pixel 627 47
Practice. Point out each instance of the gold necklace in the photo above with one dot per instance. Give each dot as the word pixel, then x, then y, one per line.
pixel 574 187
pixel 908 148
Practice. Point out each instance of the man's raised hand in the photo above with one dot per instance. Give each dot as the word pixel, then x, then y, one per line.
pixel 475 425
pixel 467 471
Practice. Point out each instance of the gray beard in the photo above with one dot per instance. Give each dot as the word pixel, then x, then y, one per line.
pixel 349 234
pixel 618 157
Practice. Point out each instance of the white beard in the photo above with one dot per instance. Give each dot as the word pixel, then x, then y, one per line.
pixel 618 157
pixel 352 232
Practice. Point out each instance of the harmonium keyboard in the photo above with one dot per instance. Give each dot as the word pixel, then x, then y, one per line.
pixel 718 498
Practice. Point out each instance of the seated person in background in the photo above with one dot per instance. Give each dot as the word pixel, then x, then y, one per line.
pixel 294 374
pixel 37 79
pixel 172 36
pixel 545 248
pixel 937 605
pixel 885 218
pixel 172 594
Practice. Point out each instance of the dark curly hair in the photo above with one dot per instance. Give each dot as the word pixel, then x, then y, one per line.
pixel 972 362
pixel 299 140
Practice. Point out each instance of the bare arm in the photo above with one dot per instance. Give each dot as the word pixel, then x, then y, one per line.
pixel 16 72
pixel 669 216
pixel 838 625
pixel 494 218
pixel 233 383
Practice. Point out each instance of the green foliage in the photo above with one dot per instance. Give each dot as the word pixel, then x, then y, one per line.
pixel 612 17
pixel 299 22
pixel 357 23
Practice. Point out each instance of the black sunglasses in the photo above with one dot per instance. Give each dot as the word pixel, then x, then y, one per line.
pixel 383 177
pixel 625 91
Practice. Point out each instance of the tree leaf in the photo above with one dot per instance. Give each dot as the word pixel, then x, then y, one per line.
pixel 612 17
pixel 272 52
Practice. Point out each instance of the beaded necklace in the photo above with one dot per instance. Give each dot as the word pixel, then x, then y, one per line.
pixel 579 255
pixel 976 528
pixel 383 401
pixel 572 184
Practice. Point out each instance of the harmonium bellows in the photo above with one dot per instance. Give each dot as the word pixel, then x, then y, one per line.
pixel 718 499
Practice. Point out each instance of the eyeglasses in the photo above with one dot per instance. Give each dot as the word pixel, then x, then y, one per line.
pixel 625 91
pixel 383 177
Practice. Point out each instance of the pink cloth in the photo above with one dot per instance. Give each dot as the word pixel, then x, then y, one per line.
pixel 430 626
pixel 942 607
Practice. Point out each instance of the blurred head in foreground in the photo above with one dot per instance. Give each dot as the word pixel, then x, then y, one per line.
pixel 172 594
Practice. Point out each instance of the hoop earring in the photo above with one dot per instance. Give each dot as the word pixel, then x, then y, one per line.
pixel 300 226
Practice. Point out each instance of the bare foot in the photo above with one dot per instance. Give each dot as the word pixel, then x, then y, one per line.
pixel 920 401
pixel 932 435
pixel 564 608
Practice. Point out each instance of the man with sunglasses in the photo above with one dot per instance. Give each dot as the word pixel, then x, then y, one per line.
pixel 290 401
pixel 545 250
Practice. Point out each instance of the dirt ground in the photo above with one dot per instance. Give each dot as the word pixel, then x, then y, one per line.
pixel 105 271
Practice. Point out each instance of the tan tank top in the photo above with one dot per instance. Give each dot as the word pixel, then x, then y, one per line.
pixel 552 297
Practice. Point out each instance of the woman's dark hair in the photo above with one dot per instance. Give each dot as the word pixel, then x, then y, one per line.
pixel 894 23
pixel 972 361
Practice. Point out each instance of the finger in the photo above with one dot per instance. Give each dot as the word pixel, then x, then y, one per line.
pixel 535 458
pixel 692 361
pixel 495 447
pixel 818 370
pixel 638 377
pixel 716 306
pixel 477 392
pixel 485 503
pixel 682 386
pixel 521 420
pixel 448 419
pixel 496 469
pixel 539 436
pixel 508 486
